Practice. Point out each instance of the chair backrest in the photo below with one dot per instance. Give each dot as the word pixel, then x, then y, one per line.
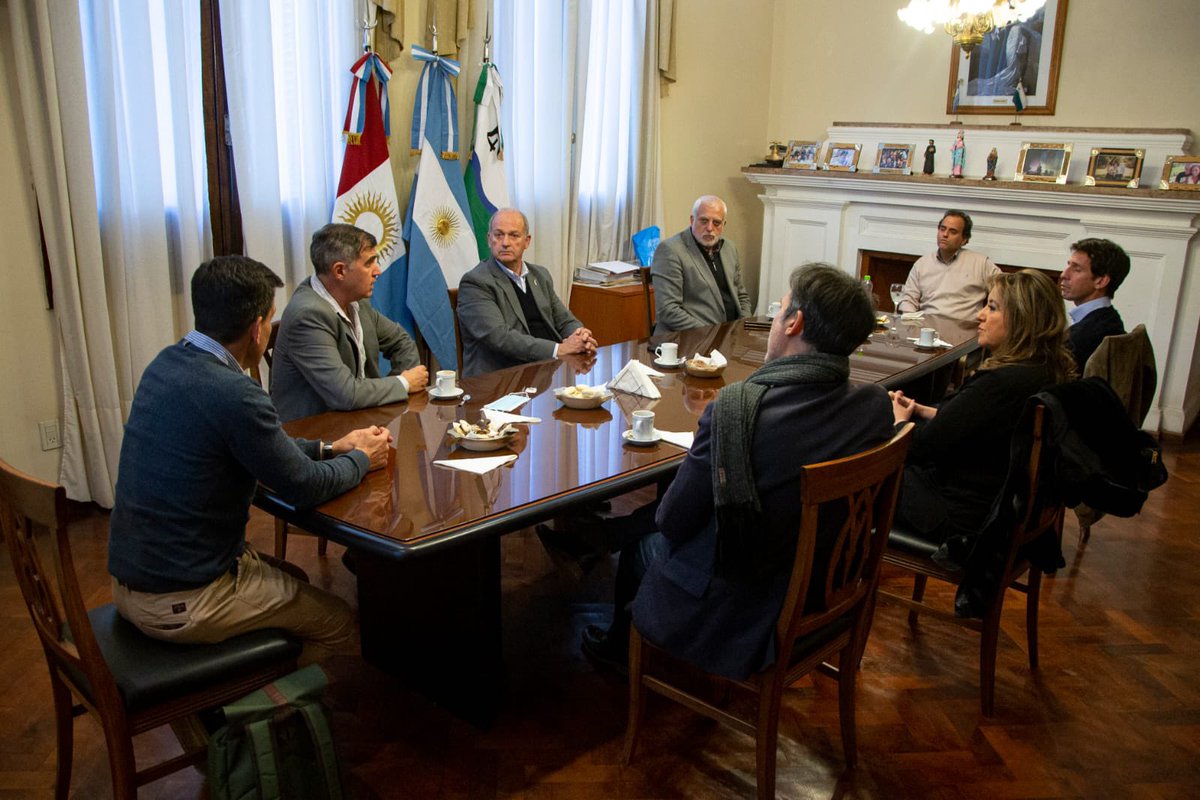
pixel 268 355
pixel 28 505
pixel 453 293
pixel 861 491
pixel 1126 363
pixel 1035 501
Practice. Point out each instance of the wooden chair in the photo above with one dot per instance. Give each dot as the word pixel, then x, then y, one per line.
pixel 132 683
pixel 1126 363
pixel 256 371
pixel 863 489
pixel 1037 513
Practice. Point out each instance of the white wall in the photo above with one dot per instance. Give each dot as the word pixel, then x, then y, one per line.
pixel 29 377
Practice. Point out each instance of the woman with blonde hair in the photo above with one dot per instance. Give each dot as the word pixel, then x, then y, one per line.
pixel 959 455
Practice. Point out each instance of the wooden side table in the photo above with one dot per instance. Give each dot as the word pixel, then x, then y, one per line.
pixel 613 313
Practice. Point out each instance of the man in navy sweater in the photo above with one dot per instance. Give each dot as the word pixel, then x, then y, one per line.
pixel 1095 269
pixel 201 434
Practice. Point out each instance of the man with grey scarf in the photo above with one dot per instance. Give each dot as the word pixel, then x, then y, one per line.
pixel 710 584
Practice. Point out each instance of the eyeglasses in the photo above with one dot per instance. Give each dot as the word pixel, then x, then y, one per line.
pixel 707 221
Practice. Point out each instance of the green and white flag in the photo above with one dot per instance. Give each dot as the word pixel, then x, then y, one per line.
pixel 487 185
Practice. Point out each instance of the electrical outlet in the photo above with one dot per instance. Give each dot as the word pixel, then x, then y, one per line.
pixel 50 435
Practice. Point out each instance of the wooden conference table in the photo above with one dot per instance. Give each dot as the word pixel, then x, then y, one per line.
pixel 428 537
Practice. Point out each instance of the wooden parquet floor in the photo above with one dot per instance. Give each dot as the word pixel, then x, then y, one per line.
pixel 1114 710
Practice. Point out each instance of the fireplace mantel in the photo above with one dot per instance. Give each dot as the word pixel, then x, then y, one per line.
pixel 824 216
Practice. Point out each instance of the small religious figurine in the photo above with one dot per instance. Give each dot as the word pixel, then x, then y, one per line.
pixel 991 162
pixel 929 151
pixel 958 156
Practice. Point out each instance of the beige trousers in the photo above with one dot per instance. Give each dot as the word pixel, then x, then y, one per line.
pixel 261 595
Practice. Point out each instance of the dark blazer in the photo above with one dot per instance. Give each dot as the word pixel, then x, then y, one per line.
pixel 314 366
pixel 686 294
pixel 723 624
pixel 494 331
pixel 958 460
pixel 1085 336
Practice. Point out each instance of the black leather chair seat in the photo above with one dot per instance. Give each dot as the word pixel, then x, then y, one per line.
pixel 148 671
pixel 806 645
pixel 911 542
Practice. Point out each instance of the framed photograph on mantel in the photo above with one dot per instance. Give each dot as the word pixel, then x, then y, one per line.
pixel 893 159
pixel 842 156
pixel 1114 167
pixel 1181 172
pixel 802 155
pixel 1043 162
pixel 1027 52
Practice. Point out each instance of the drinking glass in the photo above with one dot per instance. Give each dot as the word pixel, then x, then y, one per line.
pixel 897 292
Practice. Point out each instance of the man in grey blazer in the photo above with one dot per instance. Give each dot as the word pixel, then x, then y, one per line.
pixel 697 275
pixel 508 312
pixel 326 355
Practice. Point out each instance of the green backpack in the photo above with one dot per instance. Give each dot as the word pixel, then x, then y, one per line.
pixel 276 743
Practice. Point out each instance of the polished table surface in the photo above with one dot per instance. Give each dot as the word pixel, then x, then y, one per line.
pixel 570 457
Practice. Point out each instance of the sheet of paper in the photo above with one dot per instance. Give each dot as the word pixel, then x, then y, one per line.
pixel 615 267
pixel 510 402
pixel 478 466
pixel 682 439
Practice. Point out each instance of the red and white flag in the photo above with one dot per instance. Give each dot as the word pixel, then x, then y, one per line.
pixel 366 195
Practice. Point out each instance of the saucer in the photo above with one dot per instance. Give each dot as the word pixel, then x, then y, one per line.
pixel 436 395
pixel 658 362
pixel 628 437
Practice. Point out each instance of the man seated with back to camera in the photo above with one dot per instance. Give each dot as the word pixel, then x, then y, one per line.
pixel 709 585
pixel 201 435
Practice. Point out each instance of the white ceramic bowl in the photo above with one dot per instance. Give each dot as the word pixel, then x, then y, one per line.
pixel 483 444
pixel 700 371
pixel 582 403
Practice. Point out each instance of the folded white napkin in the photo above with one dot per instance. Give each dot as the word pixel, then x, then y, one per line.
pixel 479 465
pixel 678 438
pixel 510 402
pixel 912 315
pixel 715 359
pixel 634 378
pixel 501 417
pixel 936 342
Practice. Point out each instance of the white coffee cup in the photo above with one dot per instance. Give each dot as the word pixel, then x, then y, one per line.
pixel 774 309
pixel 445 381
pixel 928 337
pixel 667 352
pixel 643 425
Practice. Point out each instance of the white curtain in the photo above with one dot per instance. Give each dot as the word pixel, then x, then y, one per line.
pixel 587 68
pixel 287 73
pixel 112 111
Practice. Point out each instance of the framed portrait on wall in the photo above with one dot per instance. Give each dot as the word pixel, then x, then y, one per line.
pixel 1110 166
pixel 1026 52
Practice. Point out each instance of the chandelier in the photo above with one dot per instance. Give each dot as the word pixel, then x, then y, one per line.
pixel 967 21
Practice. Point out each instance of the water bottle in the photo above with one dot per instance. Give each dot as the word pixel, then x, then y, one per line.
pixel 869 288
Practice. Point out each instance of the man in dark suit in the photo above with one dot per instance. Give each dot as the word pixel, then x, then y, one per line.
pixel 327 352
pixel 716 575
pixel 508 312
pixel 697 274
pixel 1095 269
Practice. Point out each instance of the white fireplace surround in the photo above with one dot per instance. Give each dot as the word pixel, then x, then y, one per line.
pixel 815 216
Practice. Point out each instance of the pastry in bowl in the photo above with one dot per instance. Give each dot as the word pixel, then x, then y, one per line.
pixel 703 368
pixel 486 435
pixel 583 397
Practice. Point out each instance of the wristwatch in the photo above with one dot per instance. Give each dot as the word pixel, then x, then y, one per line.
pixel 326 451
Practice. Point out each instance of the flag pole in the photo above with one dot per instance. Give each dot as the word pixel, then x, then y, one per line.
pixel 367 24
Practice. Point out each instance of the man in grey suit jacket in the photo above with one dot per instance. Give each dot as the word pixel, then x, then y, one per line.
pixel 697 275
pixel 508 312
pixel 327 352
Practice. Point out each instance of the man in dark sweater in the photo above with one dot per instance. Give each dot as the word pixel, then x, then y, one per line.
pixel 1095 269
pixel 200 435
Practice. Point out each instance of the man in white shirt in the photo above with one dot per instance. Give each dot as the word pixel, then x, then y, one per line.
pixel 952 281
pixel 326 355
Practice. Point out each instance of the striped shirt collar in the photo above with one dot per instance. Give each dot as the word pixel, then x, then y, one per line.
pixel 519 280
pixel 210 345
pixel 1083 309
